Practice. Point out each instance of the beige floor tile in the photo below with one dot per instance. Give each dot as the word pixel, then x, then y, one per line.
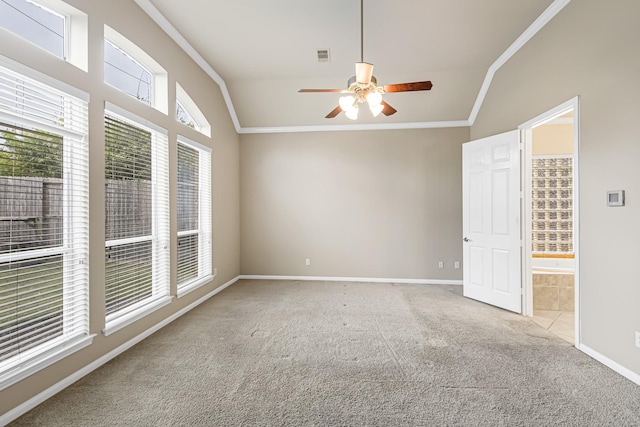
pixel 567 337
pixel 560 323
pixel 547 314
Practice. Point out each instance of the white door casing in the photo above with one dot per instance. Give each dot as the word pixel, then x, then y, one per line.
pixel 492 221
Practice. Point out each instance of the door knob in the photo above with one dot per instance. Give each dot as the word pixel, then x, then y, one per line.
pixel 466 239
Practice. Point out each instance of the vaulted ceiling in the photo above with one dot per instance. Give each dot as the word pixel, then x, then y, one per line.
pixel 262 52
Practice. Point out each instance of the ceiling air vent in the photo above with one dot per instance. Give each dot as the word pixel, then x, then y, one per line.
pixel 324 55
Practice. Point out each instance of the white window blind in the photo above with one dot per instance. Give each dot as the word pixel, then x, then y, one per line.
pixel 194 214
pixel 137 217
pixel 43 224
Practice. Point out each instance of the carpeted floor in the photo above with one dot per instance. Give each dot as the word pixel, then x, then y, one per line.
pixel 279 353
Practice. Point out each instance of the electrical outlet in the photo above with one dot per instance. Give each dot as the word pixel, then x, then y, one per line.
pixel 440 264
pixel 456 264
pixel 637 339
pixel 307 261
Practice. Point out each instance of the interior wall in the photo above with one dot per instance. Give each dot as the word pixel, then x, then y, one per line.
pixel 125 17
pixel 589 50
pixel 367 204
pixel 552 139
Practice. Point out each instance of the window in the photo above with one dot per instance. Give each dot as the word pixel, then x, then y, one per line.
pixel 194 215
pixel 184 117
pixel 123 72
pixel 137 218
pixel 130 70
pixel 33 22
pixel 552 205
pixel 51 24
pixel 44 280
pixel 188 113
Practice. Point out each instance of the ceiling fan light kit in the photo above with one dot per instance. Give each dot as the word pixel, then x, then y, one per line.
pixel 363 87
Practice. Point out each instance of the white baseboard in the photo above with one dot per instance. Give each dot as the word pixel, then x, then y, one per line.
pixel 19 410
pixel 625 372
pixel 353 279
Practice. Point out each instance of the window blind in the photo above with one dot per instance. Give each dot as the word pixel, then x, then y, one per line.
pixel 43 222
pixel 194 212
pixel 136 216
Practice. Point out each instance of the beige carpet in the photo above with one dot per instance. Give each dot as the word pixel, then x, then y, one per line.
pixel 346 354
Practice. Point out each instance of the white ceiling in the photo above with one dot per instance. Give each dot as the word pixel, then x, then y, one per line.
pixel 264 51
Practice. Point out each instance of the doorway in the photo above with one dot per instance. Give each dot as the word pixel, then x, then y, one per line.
pixel 550 247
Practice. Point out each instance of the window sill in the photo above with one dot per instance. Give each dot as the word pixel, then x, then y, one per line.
pixel 192 286
pixel 123 321
pixel 44 359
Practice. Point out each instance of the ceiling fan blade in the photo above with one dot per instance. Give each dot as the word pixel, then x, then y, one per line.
pixel 408 87
pixel 334 112
pixel 319 90
pixel 388 110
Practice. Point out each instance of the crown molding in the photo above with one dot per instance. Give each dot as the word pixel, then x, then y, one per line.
pixel 168 28
pixel 334 128
pixel 542 20
pixel 533 29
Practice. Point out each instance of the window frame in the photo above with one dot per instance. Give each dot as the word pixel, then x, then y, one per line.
pixel 75 34
pixel 75 228
pixel 159 85
pixel 190 107
pixel 204 231
pixel 160 226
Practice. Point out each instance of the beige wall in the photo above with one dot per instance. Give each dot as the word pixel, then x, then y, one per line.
pixel 589 50
pixel 553 139
pixel 376 204
pixel 125 17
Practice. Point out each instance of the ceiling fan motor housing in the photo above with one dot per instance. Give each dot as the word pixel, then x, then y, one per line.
pixel 360 90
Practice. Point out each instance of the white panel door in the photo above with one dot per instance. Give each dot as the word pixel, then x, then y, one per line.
pixel 491 220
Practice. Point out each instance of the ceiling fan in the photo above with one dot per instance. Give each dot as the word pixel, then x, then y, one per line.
pixel 363 87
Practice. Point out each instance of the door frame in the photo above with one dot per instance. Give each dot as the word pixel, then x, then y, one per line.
pixel 526 138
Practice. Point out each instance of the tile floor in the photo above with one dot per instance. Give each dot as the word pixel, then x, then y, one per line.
pixel 560 323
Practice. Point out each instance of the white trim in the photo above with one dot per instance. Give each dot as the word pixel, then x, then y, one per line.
pixel 25 407
pixel 31 254
pixel 124 320
pixel 132 118
pixel 526 131
pixel 528 34
pixel 533 29
pixel 192 286
pixel 625 372
pixel 44 360
pixel 65 132
pixel 164 23
pixel 43 78
pixel 188 141
pixel 128 241
pixel 549 115
pixel 561 121
pixel 334 128
pixel 353 279
pixel 188 233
